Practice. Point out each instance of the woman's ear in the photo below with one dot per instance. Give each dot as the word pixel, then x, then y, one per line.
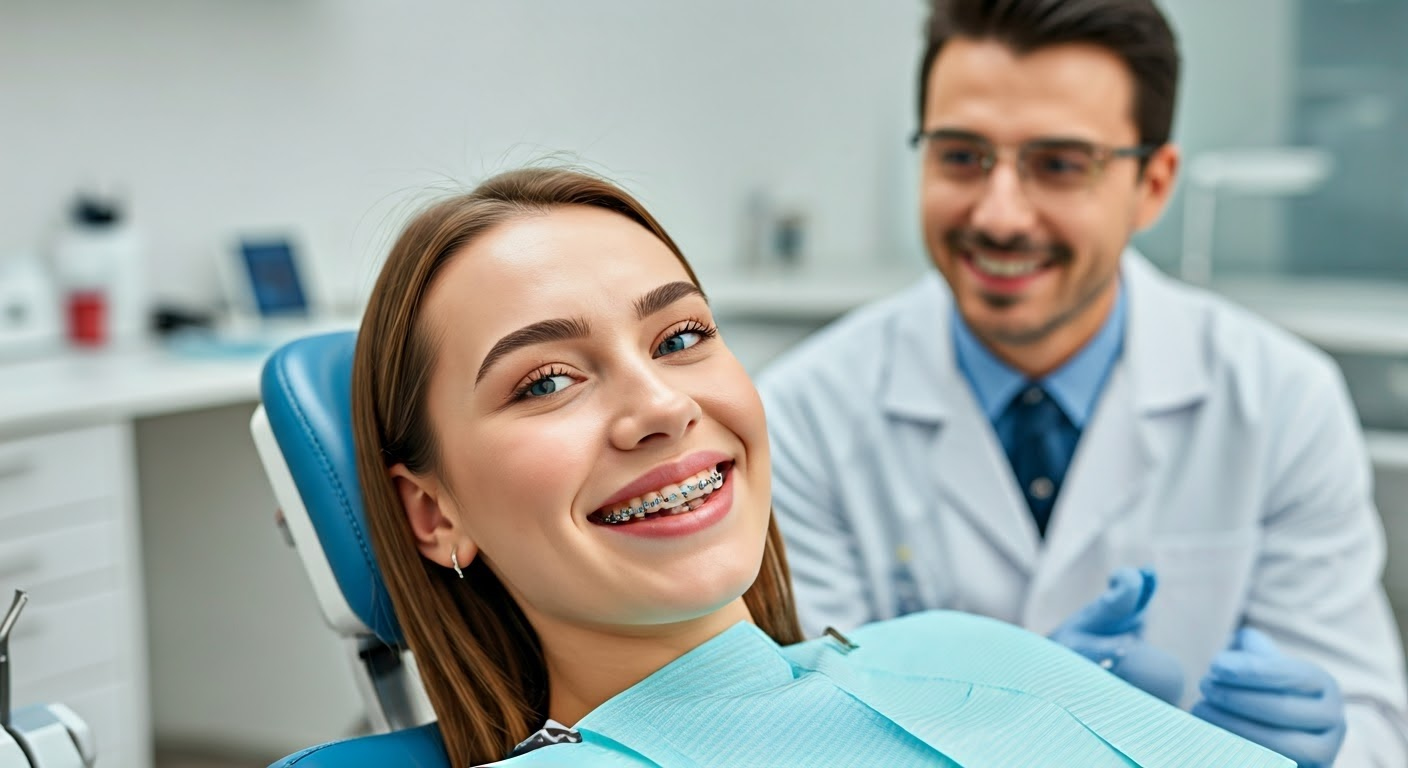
pixel 434 518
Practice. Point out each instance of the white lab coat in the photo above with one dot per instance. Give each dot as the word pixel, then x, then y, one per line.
pixel 1223 452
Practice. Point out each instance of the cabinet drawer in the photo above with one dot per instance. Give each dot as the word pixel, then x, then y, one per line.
pixel 50 640
pixel 61 468
pixel 32 563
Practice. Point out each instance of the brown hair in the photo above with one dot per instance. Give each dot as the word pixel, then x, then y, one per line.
pixel 479 659
pixel 1134 30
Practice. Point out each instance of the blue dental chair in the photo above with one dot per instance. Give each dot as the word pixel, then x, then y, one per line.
pixel 303 432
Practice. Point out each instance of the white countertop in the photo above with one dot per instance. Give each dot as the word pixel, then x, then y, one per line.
pixel 73 386
pixel 1388 450
pixel 77 387
pixel 1344 315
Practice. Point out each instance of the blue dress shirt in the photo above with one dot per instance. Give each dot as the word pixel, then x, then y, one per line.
pixel 1075 386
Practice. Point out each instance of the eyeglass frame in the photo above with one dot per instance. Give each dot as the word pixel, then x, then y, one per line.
pixel 1101 154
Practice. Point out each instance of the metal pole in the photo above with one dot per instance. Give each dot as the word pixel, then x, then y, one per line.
pixel 8 624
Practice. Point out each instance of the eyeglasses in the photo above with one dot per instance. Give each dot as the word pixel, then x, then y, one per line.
pixel 1057 165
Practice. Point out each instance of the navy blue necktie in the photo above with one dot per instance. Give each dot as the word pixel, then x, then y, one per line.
pixel 1036 452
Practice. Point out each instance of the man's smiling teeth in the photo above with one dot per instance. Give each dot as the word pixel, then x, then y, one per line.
pixel 1007 267
pixel 671 499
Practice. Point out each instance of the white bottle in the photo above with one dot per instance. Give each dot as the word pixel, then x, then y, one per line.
pixel 29 308
pixel 98 264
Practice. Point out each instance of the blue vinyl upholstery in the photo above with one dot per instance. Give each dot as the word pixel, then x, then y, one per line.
pixel 419 747
pixel 306 389
pixel 307 392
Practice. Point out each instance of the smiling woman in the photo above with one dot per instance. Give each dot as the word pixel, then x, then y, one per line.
pixel 567 480
pixel 537 360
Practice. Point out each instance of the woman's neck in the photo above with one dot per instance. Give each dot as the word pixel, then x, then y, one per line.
pixel 586 665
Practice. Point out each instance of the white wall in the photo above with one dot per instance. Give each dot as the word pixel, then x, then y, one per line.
pixel 1237 91
pixel 330 115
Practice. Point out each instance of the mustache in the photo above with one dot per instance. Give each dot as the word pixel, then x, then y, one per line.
pixel 967 240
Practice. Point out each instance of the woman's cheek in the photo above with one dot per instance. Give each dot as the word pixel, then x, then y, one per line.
pixel 547 459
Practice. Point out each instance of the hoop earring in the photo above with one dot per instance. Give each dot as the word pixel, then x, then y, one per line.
pixel 455 561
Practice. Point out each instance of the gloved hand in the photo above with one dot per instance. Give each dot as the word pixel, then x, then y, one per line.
pixel 1287 705
pixel 1108 632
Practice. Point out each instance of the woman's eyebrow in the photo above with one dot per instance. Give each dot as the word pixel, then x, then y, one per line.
pixel 541 332
pixel 667 294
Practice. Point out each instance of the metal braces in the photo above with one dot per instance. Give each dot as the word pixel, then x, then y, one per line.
pixel 714 481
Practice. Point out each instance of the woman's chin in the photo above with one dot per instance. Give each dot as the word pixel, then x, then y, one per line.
pixel 690 599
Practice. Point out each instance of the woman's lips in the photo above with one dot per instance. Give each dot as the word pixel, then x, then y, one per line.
pixel 661 526
pixel 666 474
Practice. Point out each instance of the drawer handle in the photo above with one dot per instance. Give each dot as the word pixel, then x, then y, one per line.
pixel 15 466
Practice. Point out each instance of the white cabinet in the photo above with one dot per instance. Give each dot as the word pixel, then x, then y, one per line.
pixel 68 536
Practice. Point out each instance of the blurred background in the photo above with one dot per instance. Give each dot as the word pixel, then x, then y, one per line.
pixel 232 172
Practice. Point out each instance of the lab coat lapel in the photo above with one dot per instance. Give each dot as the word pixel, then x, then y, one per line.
pixel 1160 371
pixel 1108 475
pixel 968 470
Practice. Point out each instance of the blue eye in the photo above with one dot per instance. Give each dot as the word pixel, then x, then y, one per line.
pixel 678 343
pixel 684 339
pixel 547 385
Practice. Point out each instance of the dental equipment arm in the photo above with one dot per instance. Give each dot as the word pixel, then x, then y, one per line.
pixel 42 735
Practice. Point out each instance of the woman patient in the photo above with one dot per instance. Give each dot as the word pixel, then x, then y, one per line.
pixel 566 477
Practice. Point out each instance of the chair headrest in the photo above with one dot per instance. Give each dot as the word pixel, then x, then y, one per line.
pixel 422 746
pixel 306 387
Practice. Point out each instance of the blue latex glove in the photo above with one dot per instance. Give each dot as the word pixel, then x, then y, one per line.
pixel 1287 705
pixel 1108 632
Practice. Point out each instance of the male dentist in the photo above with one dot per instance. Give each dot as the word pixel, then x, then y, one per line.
pixel 1020 432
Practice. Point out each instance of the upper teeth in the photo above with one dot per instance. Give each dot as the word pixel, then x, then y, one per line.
pixel 669 497
pixel 1006 267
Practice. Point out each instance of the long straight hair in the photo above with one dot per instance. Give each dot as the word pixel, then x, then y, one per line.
pixel 479 659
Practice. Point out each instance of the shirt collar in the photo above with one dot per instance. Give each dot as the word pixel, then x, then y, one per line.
pixel 1075 386
pixel 994 382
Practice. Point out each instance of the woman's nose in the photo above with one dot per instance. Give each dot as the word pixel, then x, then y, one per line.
pixel 652 410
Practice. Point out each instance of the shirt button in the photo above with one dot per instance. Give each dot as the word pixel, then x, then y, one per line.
pixel 1033 396
pixel 1042 488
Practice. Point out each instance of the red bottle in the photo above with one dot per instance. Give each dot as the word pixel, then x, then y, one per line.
pixel 87 317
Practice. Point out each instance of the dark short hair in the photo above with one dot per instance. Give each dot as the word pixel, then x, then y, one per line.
pixel 1134 30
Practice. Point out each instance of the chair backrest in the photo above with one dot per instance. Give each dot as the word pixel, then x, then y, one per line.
pixel 303 432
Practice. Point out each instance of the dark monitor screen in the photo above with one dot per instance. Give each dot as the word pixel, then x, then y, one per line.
pixel 273 278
